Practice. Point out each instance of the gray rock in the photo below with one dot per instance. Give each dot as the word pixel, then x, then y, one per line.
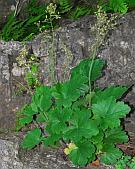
pixel 74 39
pixel 8 105
pixel 12 157
pixel 8 155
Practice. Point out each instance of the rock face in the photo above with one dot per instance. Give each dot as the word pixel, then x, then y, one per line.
pixel 12 157
pixel 74 40
pixel 8 105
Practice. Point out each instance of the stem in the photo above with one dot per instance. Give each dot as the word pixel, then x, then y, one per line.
pixel 63 143
pixel 103 25
pixel 38 126
pixel 93 56
pixel 53 59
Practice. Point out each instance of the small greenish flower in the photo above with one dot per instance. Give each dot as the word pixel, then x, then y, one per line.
pixel 51 9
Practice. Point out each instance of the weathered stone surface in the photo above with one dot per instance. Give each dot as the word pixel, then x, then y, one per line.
pixel 120 57
pixel 12 157
pixel 75 39
pixel 8 105
pixel 71 41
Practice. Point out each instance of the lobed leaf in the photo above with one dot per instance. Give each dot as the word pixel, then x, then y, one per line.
pixel 82 70
pixel 57 120
pixel 81 126
pixel 32 139
pixel 41 117
pixel 110 111
pixel 115 135
pixel 114 91
pixel 69 91
pixel 83 154
pixel 111 154
pixel 25 116
pixel 51 140
pixel 41 101
pixel 98 141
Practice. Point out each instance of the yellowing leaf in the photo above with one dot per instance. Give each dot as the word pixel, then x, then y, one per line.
pixel 71 147
pixel 67 151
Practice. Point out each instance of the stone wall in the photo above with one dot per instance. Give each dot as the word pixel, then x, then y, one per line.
pixel 12 157
pixel 77 38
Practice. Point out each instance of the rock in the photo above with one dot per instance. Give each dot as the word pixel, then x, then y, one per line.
pixel 8 155
pixel 8 105
pixel 120 57
pixel 12 157
pixel 74 40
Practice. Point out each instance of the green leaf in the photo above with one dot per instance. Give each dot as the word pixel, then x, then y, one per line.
pixel 118 6
pixel 69 91
pixel 28 111
pixel 122 163
pixel 45 101
pixel 80 103
pixel 81 126
pixel 113 91
pixel 131 164
pixel 110 111
pixel 111 154
pixel 25 116
pixel 34 19
pixel 58 119
pixel 65 5
pixel 82 70
pixel 98 141
pixel 41 118
pixel 34 68
pixel 84 89
pixel 34 106
pixel 131 3
pixel 83 154
pixel 80 11
pixel 41 101
pixel 32 139
pixel 21 122
pixel 115 135
pixel 51 140
pixel 8 26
